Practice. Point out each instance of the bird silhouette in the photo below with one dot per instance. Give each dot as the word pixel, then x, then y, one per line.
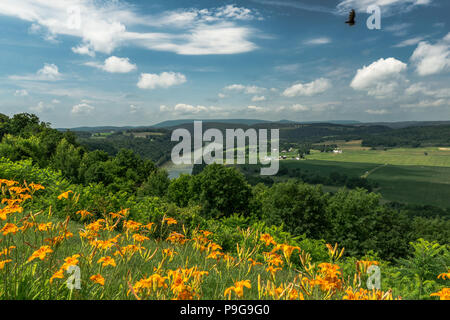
pixel 351 18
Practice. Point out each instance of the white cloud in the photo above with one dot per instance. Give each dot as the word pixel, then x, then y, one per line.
pixel 257 109
pixel 164 108
pixel 432 58
pixel 21 93
pixel 308 89
pixel 258 98
pixel 163 80
pixel 377 111
pixel 421 88
pixel 428 104
pixel 56 101
pixel 84 50
pixel 299 107
pixel 379 78
pixel 49 72
pixel 245 89
pixel 187 108
pixel 104 26
pixel 232 12
pixel 183 109
pixel 409 42
pixel 382 89
pixel 82 108
pixel 221 95
pixel 134 109
pixel 318 41
pixel 388 7
pixel 115 65
pixel 41 107
pixel 237 87
pixel 398 29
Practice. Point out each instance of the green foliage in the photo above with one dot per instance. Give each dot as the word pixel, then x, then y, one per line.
pixel 156 185
pixel 415 277
pixel 359 223
pixel 221 191
pixel 180 191
pixel 67 159
pixel 300 207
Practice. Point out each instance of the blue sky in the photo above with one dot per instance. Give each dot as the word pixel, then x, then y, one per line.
pixel 89 63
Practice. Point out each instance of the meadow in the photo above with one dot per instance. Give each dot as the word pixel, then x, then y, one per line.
pixel 353 152
pixel 43 257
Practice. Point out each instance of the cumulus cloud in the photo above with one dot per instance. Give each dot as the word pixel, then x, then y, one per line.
pixel 432 58
pixel 82 108
pixel 104 26
pixel 187 108
pixel 379 78
pixel 308 89
pixel 221 95
pixel 258 98
pixel 49 72
pixel 238 13
pixel 245 89
pixel 84 50
pixel 115 65
pixel 162 80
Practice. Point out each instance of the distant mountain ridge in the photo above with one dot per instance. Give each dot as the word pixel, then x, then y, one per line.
pixel 250 122
pixel 175 123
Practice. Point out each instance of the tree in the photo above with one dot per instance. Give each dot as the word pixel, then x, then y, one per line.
pixel 180 190
pixel 221 191
pixel 156 184
pixel 67 158
pixel 359 223
pixel 300 207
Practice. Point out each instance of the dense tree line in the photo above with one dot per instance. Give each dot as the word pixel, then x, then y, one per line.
pixel 423 136
pixel 25 137
pixel 155 147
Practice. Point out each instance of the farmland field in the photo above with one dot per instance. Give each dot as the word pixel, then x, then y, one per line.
pixel 409 184
pixel 432 156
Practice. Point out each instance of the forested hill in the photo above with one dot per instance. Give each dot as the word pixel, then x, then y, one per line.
pixel 423 136
pixel 155 143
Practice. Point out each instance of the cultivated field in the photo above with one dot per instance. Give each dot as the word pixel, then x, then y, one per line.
pixel 353 152
pixel 410 184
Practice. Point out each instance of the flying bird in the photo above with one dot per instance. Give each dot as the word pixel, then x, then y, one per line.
pixel 351 18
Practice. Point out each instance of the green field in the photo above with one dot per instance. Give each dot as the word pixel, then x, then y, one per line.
pixel 409 184
pixel 439 157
